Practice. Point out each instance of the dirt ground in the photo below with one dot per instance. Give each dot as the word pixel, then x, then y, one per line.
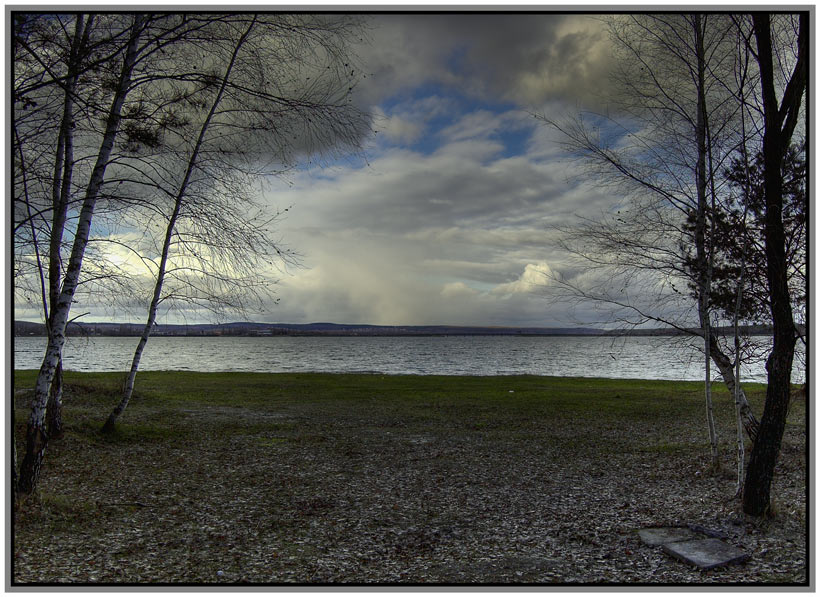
pixel 316 492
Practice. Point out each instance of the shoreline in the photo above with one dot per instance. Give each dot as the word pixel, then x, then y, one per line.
pixel 717 382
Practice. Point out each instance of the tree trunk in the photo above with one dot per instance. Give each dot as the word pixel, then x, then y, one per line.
pixel 747 191
pixel 61 191
pixel 741 450
pixel 760 472
pixel 54 409
pixel 128 387
pixel 704 283
pixel 724 365
pixel 36 435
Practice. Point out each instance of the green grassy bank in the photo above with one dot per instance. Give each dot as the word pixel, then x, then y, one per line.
pixel 488 400
pixel 312 478
pixel 160 409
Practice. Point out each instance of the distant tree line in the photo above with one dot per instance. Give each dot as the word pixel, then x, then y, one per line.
pixel 26 328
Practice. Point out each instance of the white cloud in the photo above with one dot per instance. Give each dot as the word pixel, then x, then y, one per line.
pixel 461 235
pixel 534 278
pixel 475 152
pixel 396 129
pixel 456 290
pixel 482 124
pixel 407 121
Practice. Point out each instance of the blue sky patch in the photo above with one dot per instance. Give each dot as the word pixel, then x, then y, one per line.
pixel 446 115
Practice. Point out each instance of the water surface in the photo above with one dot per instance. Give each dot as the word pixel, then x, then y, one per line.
pixel 581 356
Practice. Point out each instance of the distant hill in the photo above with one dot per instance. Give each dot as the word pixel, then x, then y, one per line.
pixel 26 328
pixel 247 328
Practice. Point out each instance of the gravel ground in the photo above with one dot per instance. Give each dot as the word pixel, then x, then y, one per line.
pixel 312 494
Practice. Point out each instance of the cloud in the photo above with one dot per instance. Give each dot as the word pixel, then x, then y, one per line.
pixel 407 121
pixel 460 234
pixel 469 183
pixel 534 278
pixel 483 124
pixel 397 129
pixel 526 59
pixel 457 233
pixel 456 290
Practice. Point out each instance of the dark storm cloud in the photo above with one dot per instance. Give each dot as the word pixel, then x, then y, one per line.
pixel 526 59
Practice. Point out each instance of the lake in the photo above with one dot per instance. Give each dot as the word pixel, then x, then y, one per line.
pixel 572 356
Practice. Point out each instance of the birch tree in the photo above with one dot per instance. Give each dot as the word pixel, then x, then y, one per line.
pixel 61 193
pixel 36 435
pixel 705 175
pixel 62 166
pixel 178 201
pixel 666 160
pixel 239 104
pixel 741 277
pixel 119 43
pixel 267 115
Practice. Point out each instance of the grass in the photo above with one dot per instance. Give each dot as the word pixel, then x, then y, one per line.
pixel 366 478
pixel 580 415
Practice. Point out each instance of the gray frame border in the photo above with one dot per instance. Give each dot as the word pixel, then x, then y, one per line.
pixel 8 320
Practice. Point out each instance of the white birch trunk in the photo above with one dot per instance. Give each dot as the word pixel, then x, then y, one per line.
pixel 61 188
pixel 128 387
pixel 700 234
pixel 741 451
pixel 732 381
pixel 36 436
pixel 710 414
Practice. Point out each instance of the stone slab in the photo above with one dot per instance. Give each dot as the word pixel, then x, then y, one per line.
pixel 707 531
pixel 655 536
pixel 706 553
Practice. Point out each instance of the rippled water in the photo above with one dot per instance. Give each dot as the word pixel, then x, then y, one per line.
pixel 632 357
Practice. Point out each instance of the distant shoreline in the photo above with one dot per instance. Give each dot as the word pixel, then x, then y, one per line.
pixel 251 329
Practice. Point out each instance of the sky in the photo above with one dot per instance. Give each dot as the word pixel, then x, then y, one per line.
pixel 449 215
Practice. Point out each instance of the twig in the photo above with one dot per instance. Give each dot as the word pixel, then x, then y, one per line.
pixel 139 504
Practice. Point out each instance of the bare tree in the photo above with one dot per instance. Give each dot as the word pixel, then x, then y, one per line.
pixel 36 436
pixel 178 202
pixel 31 31
pixel 289 97
pixel 781 117
pixel 112 58
pixel 667 162
pixel 212 249
pixel 746 186
pixel 66 69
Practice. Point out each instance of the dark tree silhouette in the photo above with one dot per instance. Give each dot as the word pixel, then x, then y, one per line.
pixel 780 120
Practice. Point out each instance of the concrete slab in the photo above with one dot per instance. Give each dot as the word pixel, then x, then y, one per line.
pixel 706 553
pixel 655 536
pixel 707 531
